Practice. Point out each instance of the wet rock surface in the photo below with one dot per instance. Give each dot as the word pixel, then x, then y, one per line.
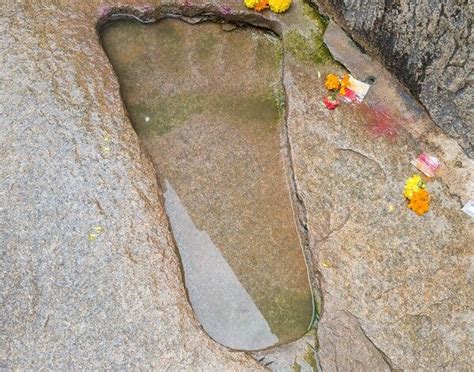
pixel 90 275
pixel 218 143
pixel 428 46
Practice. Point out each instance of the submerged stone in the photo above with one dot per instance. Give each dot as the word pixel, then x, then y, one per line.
pixel 208 107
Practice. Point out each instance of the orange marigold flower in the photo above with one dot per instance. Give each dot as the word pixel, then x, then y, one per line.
pixel 344 84
pixel 261 5
pixel 332 82
pixel 345 81
pixel 420 202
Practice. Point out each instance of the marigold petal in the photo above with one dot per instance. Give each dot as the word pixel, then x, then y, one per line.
pixel 250 3
pixel 345 81
pixel 412 185
pixel 279 6
pixel 332 82
pixel 261 5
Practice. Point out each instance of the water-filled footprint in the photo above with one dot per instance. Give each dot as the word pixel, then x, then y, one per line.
pixel 208 106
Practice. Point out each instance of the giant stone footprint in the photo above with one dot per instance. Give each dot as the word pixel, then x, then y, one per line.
pixel 208 107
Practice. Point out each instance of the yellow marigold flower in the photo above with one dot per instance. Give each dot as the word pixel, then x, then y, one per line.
pixel 250 3
pixel 332 81
pixel 420 202
pixel 279 6
pixel 413 184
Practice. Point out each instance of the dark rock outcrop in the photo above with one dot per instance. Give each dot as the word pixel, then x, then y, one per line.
pixel 427 45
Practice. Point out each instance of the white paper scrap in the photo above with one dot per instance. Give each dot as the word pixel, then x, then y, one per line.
pixel 359 87
pixel 469 208
pixel 355 91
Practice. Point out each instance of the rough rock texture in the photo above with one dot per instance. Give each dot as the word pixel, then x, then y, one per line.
pixel 70 299
pixel 90 276
pixel 295 356
pixel 206 129
pixel 391 280
pixel 427 44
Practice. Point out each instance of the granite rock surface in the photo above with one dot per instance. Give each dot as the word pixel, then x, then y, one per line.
pixel 427 45
pixel 90 275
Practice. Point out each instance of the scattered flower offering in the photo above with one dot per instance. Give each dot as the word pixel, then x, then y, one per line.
pixel 412 185
pixel 347 88
pixel 356 90
pixel 330 103
pixel 427 164
pixel 250 3
pixel 417 195
pixel 333 82
pixel 261 5
pixel 420 202
pixel 469 208
pixel 277 6
pixel 94 232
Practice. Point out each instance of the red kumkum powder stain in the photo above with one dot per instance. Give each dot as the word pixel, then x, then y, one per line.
pixel 381 123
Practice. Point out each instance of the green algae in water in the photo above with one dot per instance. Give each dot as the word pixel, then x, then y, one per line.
pixel 309 47
pixel 209 108
pixel 310 12
pixel 206 45
pixel 164 113
pixel 296 367
pixel 311 359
